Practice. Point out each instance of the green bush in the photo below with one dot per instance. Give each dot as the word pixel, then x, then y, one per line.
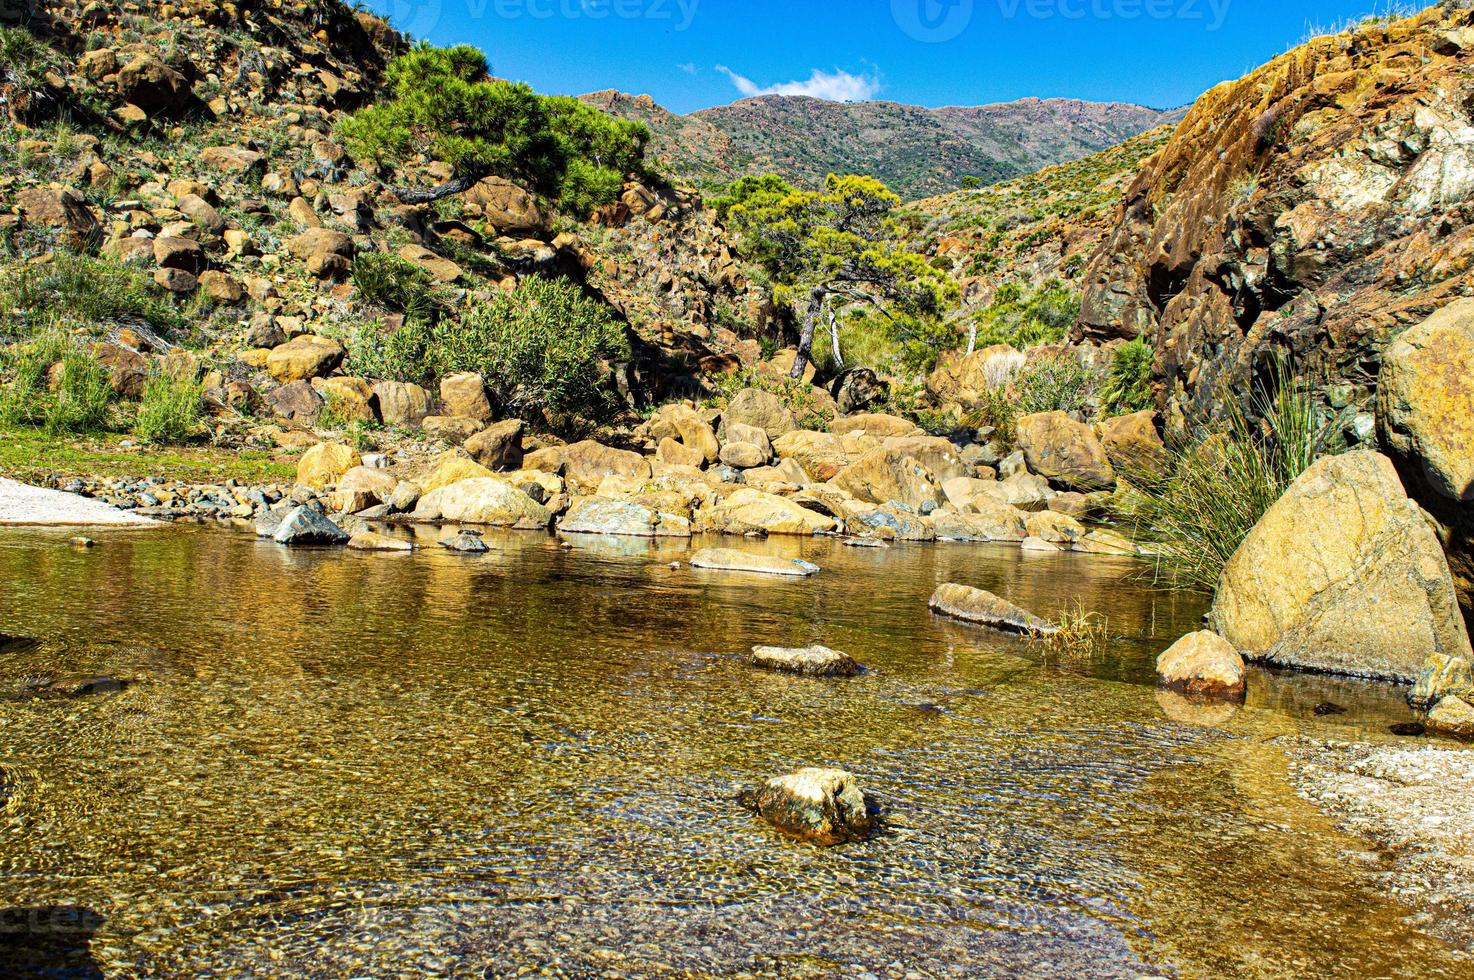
pixel 392 283
pixel 1060 383
pixel 25 61
pixel 1217 490
pixel 542 348
pixel 406 353
pixel 445 103
pixel 54 382
pixel 170 410
pixel 1025 319
pixel 1128 383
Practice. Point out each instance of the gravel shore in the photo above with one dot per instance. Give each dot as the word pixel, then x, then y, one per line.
pixel 1418 803
pixel 22 504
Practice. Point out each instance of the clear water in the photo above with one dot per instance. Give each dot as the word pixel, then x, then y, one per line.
pixel 341 764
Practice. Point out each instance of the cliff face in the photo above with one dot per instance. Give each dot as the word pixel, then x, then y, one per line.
pixel 1315 208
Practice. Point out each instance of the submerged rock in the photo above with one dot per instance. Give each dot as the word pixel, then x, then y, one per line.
pixel 305 526
pixel 1204 665
pixel 732 560
pixel 813 661
pixel 373 541
pixel 79 686
pixel 821 806
pixel 986 609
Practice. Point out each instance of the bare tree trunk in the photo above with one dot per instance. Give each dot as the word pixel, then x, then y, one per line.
pixel 806 335
pixel 834 338
pixel 972 335
pixel 457 185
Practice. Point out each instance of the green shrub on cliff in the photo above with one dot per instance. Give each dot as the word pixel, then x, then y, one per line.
pixel 543 348
pixel 1128 384
pixel 1025 318
pixel 170 410
pixel 88 291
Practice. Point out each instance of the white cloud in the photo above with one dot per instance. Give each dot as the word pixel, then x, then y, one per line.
pixel 835 86
pixel 689 68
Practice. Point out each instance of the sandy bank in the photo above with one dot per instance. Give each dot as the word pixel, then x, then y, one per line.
pixel 22 504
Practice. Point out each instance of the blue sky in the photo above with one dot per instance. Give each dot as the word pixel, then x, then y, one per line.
pixel 691 54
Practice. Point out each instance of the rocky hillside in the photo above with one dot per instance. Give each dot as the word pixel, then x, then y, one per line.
pixel 1317 212
pixel 196 170
pixel 1317 208
pixel 916 151
pixel 1031 229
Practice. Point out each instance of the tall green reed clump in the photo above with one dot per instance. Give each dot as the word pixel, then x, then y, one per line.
pixel 1214 492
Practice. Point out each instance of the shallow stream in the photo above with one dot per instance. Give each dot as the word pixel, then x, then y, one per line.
pixel 342 764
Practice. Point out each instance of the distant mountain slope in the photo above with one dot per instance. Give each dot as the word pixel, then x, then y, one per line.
pixel 919 152
pixel 1034 228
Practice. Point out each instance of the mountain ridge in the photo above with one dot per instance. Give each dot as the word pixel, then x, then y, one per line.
pixel 918 151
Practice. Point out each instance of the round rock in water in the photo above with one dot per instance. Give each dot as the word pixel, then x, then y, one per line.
pixel 820 806
pixel 305 526
pixel 814 661
pixel 1204 665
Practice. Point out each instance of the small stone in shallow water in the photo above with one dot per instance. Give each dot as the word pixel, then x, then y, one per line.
pixel 305 526
pixel 821 806
pixel 465 542
pixel 1205 665
pixel 986 609
pixel 1408 729
pixel 813 661
pixel 82 542
pixel 1453 717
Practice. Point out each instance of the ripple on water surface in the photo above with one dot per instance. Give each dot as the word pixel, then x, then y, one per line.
pixel 350 764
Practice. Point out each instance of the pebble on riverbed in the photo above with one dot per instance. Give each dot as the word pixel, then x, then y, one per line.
pixel 813 661
pixel 820 806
